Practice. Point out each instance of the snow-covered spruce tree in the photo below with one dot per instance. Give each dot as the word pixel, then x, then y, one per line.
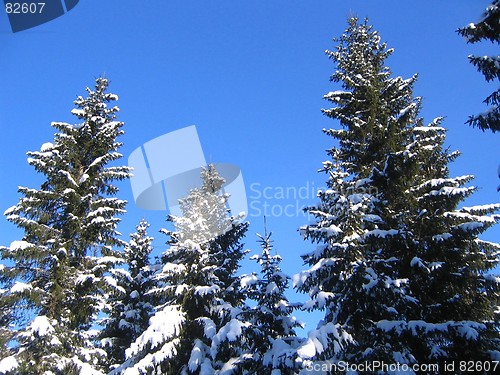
pixel 390 200
pixel 56 276
pixel 487 28
pixel 197 330
pixel 131 305
pixel 453 296
pixel 5 322
pixel 374 110
pixel 271 336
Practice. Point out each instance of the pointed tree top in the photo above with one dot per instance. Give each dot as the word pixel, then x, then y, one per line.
pixel 212 180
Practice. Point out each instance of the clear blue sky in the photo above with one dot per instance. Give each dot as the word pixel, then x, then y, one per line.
pixel 249 74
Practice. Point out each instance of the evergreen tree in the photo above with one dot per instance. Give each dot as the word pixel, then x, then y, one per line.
pixel 374 110
pixel 197 329
pixel 389 204
pixel 56 275
pixel 132 304
pixel 5 322
pixel 271 335
pixel 453 296
pixel 488 28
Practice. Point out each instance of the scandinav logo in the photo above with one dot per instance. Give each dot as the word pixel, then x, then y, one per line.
pixel 26 14
pixel 168 167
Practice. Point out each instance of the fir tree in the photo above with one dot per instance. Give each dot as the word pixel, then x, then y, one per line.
pixel 487 28
pixel 56 280
pixel 374 110
pixel 132 304
pixel 389 204
pixel 271 335
pixel 197 330
pixel 453 296
pixel 5 322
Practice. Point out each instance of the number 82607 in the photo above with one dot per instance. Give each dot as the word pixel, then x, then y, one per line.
pixel 24 8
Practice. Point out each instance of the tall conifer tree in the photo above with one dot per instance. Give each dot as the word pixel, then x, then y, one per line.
pixel 132 303
pixel 271 337
pixel 56 279
pixel 390 202
pixel 197 329
pixel 486 29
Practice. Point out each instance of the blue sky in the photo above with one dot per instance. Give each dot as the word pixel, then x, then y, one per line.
pixel 250 75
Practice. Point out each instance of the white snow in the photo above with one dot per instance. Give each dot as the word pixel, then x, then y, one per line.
pixel 83 278
pixel 10 210
pixel 134 294
pixel 96 161
pixel 435 265
pixel 428 128
pixel 209 327
pixel 98 220
pixel 162 326
pixel 471 26
pixel 409 108
pixel 441 237
pixel 319 339
pixel 196 357
pixel 480 208
pixel 382 233
pixel 69 177
pixel 476 218
pixel 229 367
pixel 249 280
pixel 467 329
pixel 181 288
pixel 332 230
pixel 206 368
pixel 68 191
pixel 204 290
pixel 84 178
pixel 173 268
pixel 272 288
pixel 19 245
pixel 78 112
pixel 46 147
pixel 469 227
pixel 111 97
pixel 322 298
pixel 416 261
pixel 372 218
pixel 20 287
pixel 337 95
pixel 230 332
pixel 123 324
pixel 448 190
pixel 42 326
pixel 109 259
pixel 299 279
pixel 84 368
pixel 307 350
pixel 396 282
pixel 8 364
pixel 371 277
